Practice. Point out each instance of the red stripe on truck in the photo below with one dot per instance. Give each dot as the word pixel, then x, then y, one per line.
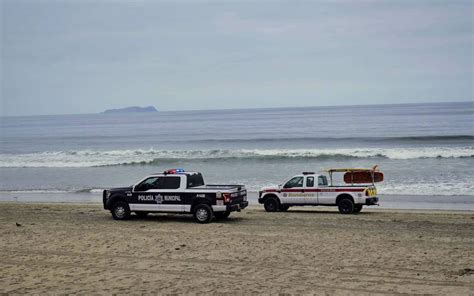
pixel 319 190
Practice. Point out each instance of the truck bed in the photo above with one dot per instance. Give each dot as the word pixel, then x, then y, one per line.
pixel 218 187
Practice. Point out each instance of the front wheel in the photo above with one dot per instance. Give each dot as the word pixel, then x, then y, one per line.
pixel 202 214
pixel 222 215
pixel 346 206
pixel 357 208
pixel 271 204
pixel 120 210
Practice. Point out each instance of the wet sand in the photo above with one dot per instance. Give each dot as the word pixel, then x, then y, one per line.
pixel 78 248
pixel 409 202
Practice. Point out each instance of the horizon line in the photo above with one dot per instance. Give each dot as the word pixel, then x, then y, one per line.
pixel 245 108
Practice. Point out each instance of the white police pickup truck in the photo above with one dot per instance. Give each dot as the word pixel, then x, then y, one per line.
pixel 310 189
pixel 176 191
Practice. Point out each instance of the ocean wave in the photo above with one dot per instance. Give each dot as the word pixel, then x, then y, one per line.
pixel 55 191
pixel 91 158
pixel 38 191
pixel 401 139
pixel 426 188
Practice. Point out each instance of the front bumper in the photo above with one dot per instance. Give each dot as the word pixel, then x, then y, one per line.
pixel 231 208
pixel 369 201
pixel 104 199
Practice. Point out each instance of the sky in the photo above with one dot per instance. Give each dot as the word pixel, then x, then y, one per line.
pixel 68 57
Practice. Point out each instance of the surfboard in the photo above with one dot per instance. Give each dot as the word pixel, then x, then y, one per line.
pixel 362 177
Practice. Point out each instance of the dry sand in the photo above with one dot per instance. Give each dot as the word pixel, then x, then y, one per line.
pixel 64 248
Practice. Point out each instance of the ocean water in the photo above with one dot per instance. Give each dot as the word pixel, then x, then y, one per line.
pixel 423 149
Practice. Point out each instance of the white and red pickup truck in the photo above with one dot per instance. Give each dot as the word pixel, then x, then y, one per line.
pixel 310 189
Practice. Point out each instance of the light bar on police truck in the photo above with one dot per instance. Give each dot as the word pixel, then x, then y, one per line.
pixel 173 171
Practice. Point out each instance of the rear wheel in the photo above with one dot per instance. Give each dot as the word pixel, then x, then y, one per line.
pixel 346 206
pixel 222 215
pixel 271 204
pixel 120 210
pixel 357 208
pixel 202 213
pixel 284 208
pixel 141 214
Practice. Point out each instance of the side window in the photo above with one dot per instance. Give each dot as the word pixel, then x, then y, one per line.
pixel 149 183
pixel 294 182
pixel 168 183
pixel 310 182
pixel 322 181
pixel 195 180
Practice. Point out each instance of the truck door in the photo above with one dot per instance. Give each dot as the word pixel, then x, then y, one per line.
pixel 160 194
pixel 310 191
pixel 292 191
pixel 326 195
pixel 169 194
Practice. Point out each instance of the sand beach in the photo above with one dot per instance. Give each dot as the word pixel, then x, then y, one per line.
pixel 78 248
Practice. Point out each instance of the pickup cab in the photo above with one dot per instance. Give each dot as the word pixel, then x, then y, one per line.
pixel 310 189
pixel 175 191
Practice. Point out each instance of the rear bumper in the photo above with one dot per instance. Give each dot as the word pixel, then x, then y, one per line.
pixel 369 201
pixel 231 208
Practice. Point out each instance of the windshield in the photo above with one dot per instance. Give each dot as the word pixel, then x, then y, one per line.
pixel 294 182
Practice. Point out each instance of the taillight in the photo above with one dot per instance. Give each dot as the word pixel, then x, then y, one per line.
pixel 226 197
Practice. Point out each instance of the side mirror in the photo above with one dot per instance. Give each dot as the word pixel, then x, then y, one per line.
pixel 141 187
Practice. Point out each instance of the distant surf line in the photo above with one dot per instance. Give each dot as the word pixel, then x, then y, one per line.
pixel 97 158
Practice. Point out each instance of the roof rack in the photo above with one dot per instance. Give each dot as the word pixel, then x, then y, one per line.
pixel 338 170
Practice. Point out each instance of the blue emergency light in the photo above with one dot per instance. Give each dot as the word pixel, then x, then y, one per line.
pixel 174 171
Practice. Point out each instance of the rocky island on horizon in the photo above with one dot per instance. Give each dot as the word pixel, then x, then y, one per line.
pixel 132 109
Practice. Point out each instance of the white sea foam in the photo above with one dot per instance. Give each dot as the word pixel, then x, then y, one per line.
pixel 91 158
pixel 36 191
pixel 453 188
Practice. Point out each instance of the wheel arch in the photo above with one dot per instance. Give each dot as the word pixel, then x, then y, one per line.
pixel 344 195
pixel 199 201
pixel 271 195
pixel 115 198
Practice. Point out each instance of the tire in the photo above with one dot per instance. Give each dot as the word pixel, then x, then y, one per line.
pixel 202 214
pixel 222 215
pixel 357 208
pixel 271 204
pixel 141 214
pixel 120 211
pixel 284 208
pixel 346 206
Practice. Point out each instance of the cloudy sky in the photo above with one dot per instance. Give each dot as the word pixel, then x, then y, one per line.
pixel 86 56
